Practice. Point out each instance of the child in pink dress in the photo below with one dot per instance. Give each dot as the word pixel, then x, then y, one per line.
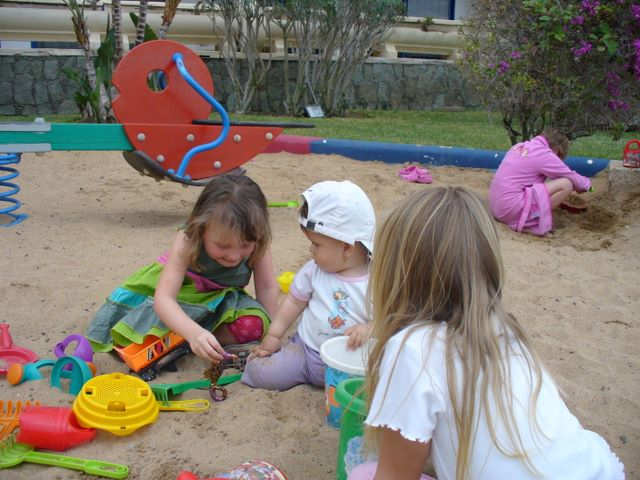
pixel 531 181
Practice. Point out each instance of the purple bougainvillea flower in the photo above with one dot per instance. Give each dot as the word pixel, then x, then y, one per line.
pixel 583 49
pixel 636 65
pixel 503 67
pixel 618 105
pixel 590 6
pixel 613 77
pixel 635 11
pixel 613 84
pixel 577 20
pixel 516 54
pixel 613 89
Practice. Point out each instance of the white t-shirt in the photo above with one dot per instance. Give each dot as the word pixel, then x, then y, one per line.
pixel 417 405
pixel 335 303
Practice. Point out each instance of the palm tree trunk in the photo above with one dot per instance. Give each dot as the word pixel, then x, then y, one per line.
pixel 116 12
pixel 142 22
pixel 81 30
pixel 170 8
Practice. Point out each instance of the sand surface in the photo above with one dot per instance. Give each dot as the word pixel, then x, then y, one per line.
pixel 93 220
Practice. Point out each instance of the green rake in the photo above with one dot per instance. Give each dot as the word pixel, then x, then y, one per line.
pixel 163 391
pixel 13 453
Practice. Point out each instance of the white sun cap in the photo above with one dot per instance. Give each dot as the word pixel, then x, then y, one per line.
pixel 340 210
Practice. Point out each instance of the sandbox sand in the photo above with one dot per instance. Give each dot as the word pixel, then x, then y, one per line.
pixel 93 221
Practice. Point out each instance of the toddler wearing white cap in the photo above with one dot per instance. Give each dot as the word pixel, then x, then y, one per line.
pixel 328 293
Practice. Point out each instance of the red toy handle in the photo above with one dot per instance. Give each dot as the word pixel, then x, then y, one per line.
pixel 184 475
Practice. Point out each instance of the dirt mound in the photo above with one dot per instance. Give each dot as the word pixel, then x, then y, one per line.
pixel 596 226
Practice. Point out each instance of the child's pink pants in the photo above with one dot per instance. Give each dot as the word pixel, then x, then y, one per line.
pixel 366 471
pixel 247 328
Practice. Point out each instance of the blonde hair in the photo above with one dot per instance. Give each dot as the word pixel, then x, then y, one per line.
pixel 437 259
pixel 235 202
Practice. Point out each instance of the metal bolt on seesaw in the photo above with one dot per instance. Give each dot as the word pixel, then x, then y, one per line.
pixel 164 102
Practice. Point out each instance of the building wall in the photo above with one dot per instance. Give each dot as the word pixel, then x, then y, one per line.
pixel 36 84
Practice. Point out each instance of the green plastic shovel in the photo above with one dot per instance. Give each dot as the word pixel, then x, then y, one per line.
pixel 13 453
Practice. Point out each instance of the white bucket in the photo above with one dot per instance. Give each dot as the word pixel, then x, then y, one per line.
pixel 342 363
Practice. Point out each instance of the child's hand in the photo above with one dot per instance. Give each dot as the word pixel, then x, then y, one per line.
pixel 206 346
pixel 270 344
pixel 358 334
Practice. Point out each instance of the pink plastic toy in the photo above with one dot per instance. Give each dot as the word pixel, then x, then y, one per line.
pixel 253 470
pixel 10 353
pixel 184 475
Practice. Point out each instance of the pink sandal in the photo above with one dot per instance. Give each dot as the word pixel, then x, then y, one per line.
pixel 415 174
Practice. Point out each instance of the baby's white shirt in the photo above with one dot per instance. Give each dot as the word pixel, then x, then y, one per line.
pixel 335 303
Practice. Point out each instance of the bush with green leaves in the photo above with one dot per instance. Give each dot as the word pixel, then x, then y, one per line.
pixel 89 94
pixel 573 64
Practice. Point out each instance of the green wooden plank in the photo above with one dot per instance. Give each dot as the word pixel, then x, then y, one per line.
pixel 73 136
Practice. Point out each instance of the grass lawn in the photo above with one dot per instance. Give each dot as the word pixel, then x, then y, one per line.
pixel 468 129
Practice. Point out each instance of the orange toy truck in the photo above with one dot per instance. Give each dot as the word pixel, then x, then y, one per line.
pixel 154 354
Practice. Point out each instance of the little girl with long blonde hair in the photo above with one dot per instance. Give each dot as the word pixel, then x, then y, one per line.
pixel 454 378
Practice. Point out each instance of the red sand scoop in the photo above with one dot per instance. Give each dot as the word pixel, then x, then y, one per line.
pixel 10 353
pixel 52 428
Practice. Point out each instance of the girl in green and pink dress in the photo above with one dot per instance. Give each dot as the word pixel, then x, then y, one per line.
pixel 196 289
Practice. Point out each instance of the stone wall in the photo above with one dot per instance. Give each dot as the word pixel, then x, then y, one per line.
pixel 36 84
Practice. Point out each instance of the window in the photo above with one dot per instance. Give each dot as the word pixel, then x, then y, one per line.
pixel 430 8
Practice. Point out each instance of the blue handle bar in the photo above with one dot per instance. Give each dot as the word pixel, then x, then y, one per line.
pixel 177 58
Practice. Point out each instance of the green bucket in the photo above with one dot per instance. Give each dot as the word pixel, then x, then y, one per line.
pixel 350 452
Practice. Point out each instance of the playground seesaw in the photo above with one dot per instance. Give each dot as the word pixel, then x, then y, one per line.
pixel 165 98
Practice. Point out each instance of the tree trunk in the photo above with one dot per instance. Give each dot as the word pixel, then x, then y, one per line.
pixel 170 8
pixel 116 12
pixel 81 30
pixel 142 22
pixel 243 22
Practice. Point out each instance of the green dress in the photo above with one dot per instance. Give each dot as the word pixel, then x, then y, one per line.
pixel 211 296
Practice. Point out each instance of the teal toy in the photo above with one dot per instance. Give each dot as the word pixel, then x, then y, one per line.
pixel 73 368
pixel 18 373
pixel 79 374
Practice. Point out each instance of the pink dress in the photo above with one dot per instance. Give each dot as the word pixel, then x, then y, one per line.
pixel 518 196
